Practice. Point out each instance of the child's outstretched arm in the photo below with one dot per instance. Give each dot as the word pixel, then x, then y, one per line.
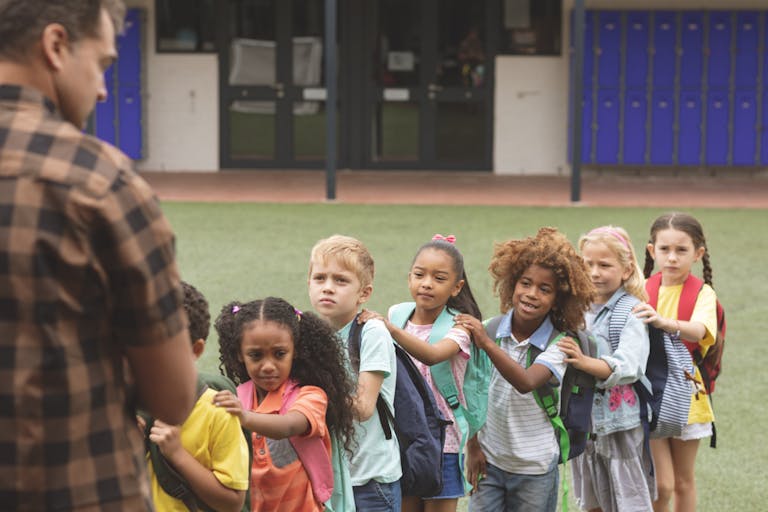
pixel 523 379
pixel 201 480
pixel 428 353
pixel 689 330
pixel 576 358
pixel 273 426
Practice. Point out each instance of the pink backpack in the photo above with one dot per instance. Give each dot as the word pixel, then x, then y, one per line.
pixel 311 450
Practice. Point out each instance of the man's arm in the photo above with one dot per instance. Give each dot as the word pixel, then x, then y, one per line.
pixel 165 377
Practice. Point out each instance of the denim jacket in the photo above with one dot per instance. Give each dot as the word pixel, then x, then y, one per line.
pixel 616 406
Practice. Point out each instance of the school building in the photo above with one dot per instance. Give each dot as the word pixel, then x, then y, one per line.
pixel 483 85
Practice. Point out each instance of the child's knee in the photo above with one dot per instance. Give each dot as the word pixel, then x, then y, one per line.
pixel 665 491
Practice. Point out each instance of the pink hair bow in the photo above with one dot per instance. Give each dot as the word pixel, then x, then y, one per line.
pixel 450 238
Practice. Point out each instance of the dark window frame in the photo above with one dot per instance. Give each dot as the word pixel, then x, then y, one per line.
pixel 200 16
pixel 545 28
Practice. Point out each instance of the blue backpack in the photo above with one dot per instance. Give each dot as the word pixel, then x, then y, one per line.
pixel 469 419
pixel 417 422
pixel 570 410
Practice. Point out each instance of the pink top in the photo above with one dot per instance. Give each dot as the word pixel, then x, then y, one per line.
pixel 458 368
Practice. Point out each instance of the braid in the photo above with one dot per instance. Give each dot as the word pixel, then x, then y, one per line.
pixel 706 268
pixel 649 263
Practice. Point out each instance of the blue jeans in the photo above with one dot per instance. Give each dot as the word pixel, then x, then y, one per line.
pixel 378 497
pixel 500 490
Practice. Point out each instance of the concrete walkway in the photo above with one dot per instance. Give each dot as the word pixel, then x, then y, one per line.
pixel 739 190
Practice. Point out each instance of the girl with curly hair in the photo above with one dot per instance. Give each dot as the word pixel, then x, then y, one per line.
pixel 543 286
pixel 294 394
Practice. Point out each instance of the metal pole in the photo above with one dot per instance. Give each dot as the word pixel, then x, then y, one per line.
pixel 330 99
pixel 577 86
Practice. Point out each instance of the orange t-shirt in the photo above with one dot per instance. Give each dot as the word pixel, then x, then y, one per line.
pixel 278 479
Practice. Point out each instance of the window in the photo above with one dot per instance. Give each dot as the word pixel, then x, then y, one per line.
pixel 531 27
pixel 186 25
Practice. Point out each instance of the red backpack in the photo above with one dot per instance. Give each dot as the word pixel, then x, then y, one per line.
pixel 710 364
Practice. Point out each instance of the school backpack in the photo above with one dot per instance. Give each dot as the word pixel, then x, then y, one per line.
pixel 570 410
pixel 417 422
pixel 168 478
pixel 709 365
pixel 469 419
pixel 666 391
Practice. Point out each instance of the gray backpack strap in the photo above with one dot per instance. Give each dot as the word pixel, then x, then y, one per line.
pixel 619 315
pixel 492 326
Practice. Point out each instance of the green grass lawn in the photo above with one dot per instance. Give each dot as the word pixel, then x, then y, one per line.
pixel 247 251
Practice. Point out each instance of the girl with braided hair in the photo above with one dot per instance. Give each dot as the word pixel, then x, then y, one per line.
pixel 294 394
pixel 676 243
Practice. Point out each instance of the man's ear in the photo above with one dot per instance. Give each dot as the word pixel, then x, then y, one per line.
pixel 55 44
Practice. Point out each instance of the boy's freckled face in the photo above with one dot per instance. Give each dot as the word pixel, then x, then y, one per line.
pixel 335 292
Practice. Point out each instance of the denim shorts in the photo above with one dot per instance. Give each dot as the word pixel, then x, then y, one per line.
pixel 375 496
pixel 453 483
pixel 502 491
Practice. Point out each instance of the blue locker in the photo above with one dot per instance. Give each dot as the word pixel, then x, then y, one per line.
pixel 586 126
pixel 607 133
pixel 662 127
pixel 764 131
pixel 744 128
pixel 129 103
pixel 609 49
pixel 129 50
pixel 635 108
pixel 691 48
pixel 745 75
pixel 104 113
pixel 664 49
pixel 637 43
pixel 747 31
pixel 720 32
pixel 689 136
pixel 719 70
pixel 717 132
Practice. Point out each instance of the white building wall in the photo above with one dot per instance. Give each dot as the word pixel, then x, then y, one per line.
pixel 181 106
pixel 531 94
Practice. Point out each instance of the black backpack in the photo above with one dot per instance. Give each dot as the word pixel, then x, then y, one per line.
pixel 570 410
pixel 417 422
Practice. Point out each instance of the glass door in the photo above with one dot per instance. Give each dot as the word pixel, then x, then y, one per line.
pixel 271 83
pixel 430 105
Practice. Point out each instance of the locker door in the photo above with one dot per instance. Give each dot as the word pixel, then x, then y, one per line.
pixel 637 43
pixel 692 44
pixel 764 131
pixel 104 113
pixel 662 128
pixel 607 133
pixel 664 46
pixel 689 136
pixel 609 49
pixel 129 102
pixel 747 45
pixel 586 127
pixel 719 61
pixel 129 50
pixel 635 108
pixel 744 128
pixel 717 128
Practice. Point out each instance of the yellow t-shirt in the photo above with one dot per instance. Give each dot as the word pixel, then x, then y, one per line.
pixel 705 311
pixel 215 439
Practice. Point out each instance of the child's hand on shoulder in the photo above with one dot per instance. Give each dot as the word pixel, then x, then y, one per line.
pixel 230 403
pixel 475 328
pixel 572 350
pixel 367 314
pixel 649 315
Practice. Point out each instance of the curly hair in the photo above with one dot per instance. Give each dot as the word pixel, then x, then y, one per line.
pixel 464 301
pixel 552 250
pixel 196 307
pixel 617 240
pixel 319 355
pixel 687 224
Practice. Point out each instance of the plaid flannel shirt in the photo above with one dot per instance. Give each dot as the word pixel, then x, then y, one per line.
pixel 87 267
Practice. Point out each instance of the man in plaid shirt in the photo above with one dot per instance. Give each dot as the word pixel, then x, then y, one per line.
pixel 90 296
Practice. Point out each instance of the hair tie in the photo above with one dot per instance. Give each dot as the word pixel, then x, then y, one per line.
pixel 235 309
pixel 614 233
pixel 298 314
pixel 450 238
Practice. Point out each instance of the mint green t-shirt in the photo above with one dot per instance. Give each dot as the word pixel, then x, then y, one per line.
pixel 377 457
